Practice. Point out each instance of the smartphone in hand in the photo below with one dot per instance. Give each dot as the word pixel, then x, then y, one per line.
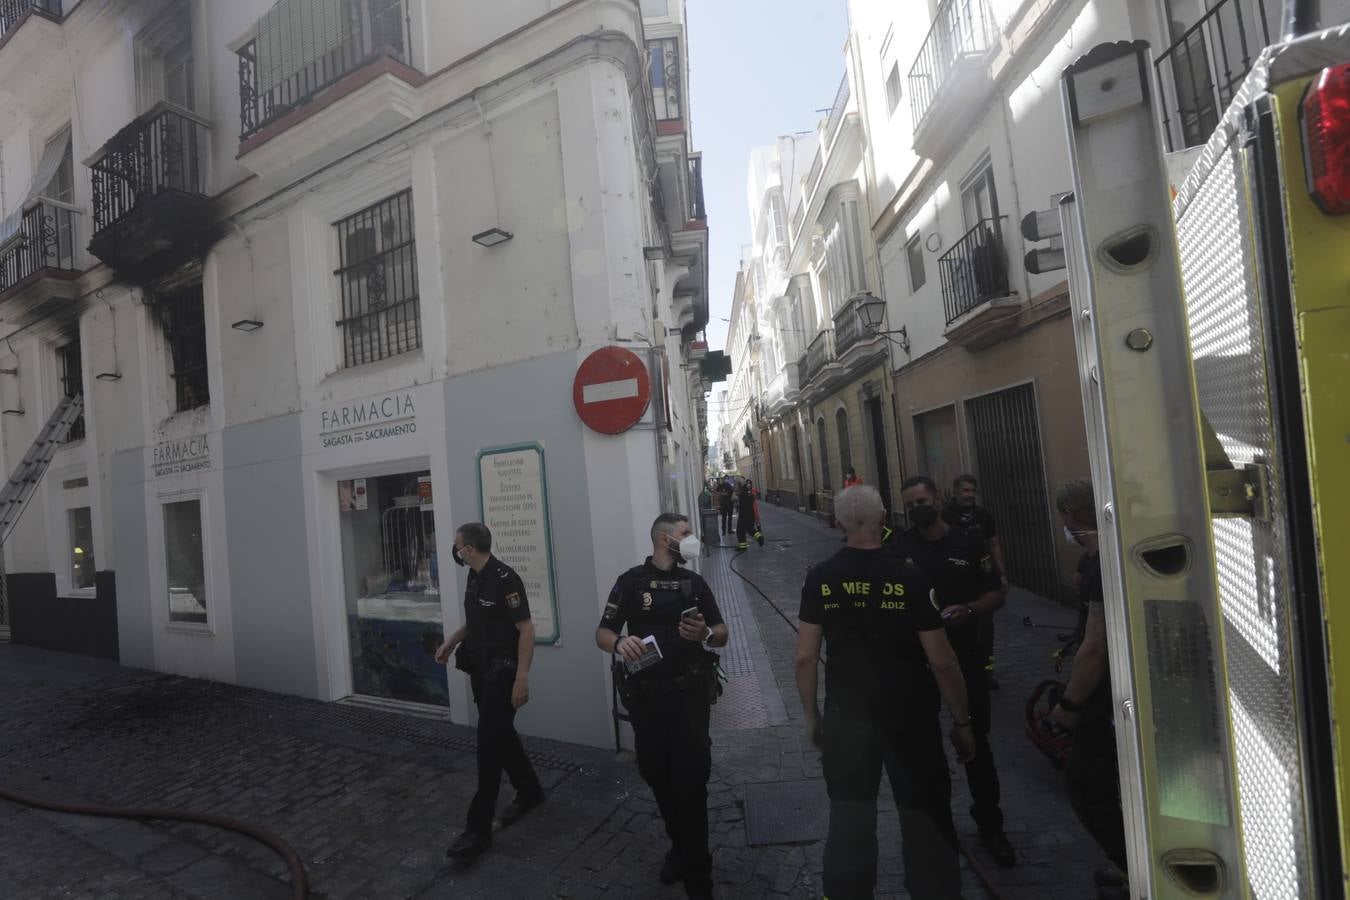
pixel 690 613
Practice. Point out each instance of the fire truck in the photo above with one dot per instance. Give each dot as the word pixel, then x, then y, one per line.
pixel 1212 320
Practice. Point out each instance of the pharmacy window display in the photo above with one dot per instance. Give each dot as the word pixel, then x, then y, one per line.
pixel 392 586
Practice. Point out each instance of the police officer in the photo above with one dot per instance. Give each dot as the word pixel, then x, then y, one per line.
pixel 964 511
pixel 669 701
pixel 969 591
pixel 726 502
pixel 495 647
pixel 888 660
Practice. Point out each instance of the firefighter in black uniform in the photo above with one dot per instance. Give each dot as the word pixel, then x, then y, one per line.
pixel 969 591
pixel 747 516
pixel 495 646
pixel 726 504
pixel 669 701
pixel 888 660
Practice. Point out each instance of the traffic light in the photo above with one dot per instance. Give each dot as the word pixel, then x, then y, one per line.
pixel 1043 225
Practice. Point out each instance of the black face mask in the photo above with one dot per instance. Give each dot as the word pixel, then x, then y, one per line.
pixel 923 516
pixel 459 560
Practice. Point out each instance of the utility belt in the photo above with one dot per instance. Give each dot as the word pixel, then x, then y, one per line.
pixel 693 677
pixel 483 662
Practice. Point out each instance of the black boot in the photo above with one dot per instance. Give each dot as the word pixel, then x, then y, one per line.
pixel 469 845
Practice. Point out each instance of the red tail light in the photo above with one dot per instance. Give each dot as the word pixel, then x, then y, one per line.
pixel 1325 115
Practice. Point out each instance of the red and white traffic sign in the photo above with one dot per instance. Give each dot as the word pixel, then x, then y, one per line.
pixel 611 390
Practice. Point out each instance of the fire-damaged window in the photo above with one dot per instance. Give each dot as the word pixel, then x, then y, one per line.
pixel 377 275
pixel 183 317
pixel 72 383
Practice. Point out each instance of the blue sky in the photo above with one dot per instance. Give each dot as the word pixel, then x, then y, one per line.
pixel 758 69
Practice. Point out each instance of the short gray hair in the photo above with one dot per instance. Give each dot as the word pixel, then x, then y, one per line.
pixel 859 508
pixel 1075 498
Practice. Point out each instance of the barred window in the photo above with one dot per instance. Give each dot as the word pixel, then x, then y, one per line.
pixel 72 383
pixel 183 317
pixel 377 275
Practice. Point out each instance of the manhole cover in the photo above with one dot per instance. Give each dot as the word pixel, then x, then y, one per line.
pixel 786 812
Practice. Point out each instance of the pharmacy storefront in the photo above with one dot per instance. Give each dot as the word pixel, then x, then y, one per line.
pixel 380 540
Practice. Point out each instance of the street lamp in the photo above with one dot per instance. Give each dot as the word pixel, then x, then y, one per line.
pixel 871 311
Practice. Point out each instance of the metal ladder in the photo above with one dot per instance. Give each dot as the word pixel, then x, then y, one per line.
pixel 1147 447
pixel 24 481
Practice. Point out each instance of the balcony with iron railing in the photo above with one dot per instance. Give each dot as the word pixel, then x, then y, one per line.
pixel 697 210
pixel 301 50
pixel 149 189
pixel 848 327
pixel 43 247
pixel 950 78
pixel 819 354
pixel 666 78
pixel 1201 72
pixel 977 295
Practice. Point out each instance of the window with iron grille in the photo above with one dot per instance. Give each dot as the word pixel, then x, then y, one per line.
pixel 183 317
pixel 377 275
pixel 72 383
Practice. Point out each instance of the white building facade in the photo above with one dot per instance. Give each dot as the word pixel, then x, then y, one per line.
pixel 323 274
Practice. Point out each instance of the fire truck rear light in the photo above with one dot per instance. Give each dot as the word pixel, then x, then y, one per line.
pixel 1325 115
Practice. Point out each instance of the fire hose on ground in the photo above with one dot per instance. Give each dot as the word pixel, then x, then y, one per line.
pixel 299 886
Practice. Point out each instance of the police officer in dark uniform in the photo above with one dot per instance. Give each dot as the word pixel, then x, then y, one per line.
pixel 888 660
pixel 964 512
pixel 495 648
pixel 669 700
pixel 969 591
pixel 726 504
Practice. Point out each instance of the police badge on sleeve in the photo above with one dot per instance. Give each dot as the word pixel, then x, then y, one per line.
pixel 513 600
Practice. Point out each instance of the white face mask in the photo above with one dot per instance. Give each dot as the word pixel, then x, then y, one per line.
pixel 1068 536
pixel 690 547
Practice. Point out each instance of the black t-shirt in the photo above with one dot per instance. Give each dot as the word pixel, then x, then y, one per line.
pixel 649 601
pixel 494 602
pixel 726 498
pixel 975 519
pixel 1090 592
pixel 961 570
pixel 871 607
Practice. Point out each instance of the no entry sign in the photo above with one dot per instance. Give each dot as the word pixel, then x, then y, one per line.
pixel 611 390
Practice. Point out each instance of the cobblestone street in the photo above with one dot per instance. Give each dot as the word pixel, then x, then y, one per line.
pixel 370 798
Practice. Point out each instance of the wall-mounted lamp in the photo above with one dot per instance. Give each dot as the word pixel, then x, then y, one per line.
pixel 246 325
pixel 871 312
pixel 492 237
pixel 109 376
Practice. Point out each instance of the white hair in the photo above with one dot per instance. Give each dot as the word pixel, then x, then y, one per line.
pixel 859 508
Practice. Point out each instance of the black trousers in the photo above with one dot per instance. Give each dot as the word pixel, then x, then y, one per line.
pixel 981 774
pixel 1094 783
pixel 499 749
pixel 726 521
pixel 674 757
pixel 853 752
pixel 745 526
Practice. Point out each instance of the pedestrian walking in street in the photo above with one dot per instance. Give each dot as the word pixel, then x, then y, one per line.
pixel 964 511
pixel 494 647
pixel 747 516
pixel 726 499
pixel 969 591
pixel 672 623
pixel 888 660
pixel 1085 708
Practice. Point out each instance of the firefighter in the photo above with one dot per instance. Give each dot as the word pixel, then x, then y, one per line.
pixel 669 701
pixel 969 591
pixel 1085 707
pixel 888 660
pixel 726 504
pixel 747 516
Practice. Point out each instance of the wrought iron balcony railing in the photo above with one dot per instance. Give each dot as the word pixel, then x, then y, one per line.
pixel 837 111
pixel 45 239
pixel 1202 70
pixel 12 12
pixel 959 27
pixel 158 153
pixel 697 210
pixel 663 56
pixel 975 270
pixel 304 46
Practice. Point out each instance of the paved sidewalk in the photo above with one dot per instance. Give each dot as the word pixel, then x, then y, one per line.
pixel 369 798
